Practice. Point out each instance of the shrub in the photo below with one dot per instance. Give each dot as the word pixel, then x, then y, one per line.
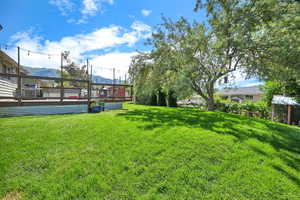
pixel 256 109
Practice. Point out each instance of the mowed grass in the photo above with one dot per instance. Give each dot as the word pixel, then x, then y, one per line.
pixel 148 153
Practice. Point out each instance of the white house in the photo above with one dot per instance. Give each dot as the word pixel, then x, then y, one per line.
pixel 8 85
pixel 242 94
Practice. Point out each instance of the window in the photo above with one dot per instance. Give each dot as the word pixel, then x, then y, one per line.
pixel 4 69
pixel 8 71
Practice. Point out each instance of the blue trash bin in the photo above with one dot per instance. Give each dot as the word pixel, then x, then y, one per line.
pixel 96 109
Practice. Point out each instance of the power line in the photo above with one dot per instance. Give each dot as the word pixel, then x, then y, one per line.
pixel 80 61
pixel 7 46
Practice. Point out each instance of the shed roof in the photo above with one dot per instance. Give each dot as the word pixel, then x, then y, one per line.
pixel 241 91
pixel 283 100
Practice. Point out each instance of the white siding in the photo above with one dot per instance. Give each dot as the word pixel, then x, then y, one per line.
pixel 7 88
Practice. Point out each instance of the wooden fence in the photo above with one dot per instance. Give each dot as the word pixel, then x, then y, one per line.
pixel 19 99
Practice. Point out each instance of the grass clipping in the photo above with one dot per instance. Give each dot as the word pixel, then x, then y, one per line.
pixel 12 196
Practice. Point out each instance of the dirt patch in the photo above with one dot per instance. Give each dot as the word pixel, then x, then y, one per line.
pixel 12 196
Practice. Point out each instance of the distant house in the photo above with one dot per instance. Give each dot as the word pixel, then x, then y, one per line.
pixel 242 94
pixel 49 92
pixel 195 100
pixel 8 85
pixel 285 110
pixel 105 92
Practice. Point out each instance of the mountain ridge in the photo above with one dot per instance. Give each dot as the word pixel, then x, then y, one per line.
pixel 53 73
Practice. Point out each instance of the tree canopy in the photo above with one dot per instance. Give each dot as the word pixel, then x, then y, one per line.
pixel 257 37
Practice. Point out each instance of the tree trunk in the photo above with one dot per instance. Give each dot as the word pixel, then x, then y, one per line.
pixel 153 100
pixel 161 99
pixel 171 99
pixel 211 104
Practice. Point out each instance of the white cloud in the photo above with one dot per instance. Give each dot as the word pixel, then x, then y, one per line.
pixel 91 8
pixel 146 13
pixel 140 26
pixel 64 6
pixel 254 83
pixel 81 46
pixel 104 63
pixel 87 8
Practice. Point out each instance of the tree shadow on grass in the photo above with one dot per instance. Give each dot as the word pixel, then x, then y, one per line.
pixel 290 176
pixel 279 136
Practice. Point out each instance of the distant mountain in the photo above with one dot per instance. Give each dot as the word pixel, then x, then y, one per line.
pixel 42 72
pixel 100 79
pixel 53 73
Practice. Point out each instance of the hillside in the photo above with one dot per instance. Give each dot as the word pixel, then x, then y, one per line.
pixel 53 73
pixel 149 153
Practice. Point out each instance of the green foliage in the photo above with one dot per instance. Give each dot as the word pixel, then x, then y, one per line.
pixel 289 87
pixel 270 89
pixel 278 40
pixel 256 109
pixel 149 153
pixel 154 84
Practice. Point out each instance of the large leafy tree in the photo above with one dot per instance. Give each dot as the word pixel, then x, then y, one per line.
pixel 155 85
pixel 238 35
pixel 208 53
pixel 275 37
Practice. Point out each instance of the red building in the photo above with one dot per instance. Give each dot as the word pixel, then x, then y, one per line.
pixel 119 91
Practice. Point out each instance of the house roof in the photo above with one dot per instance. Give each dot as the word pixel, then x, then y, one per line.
pixel 7 59
pixel 283 100
pixel 241 91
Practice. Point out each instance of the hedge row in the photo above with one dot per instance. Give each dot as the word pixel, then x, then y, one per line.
pixel 249 108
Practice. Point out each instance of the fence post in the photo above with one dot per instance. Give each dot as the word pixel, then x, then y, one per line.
pixel 289 117
pixel 133 97
pixel 131 93
pixel 62 78
pixel 19 90
pixel 89 85
pixel 273 112
pixel 91 81
pixel 113 87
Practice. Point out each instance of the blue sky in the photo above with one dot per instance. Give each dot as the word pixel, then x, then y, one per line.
pixel 47 15
pixel 108 32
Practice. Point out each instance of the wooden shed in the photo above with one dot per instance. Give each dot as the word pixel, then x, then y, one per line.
pixel 285 110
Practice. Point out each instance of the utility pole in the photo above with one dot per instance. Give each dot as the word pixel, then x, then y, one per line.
pixel 89 85
pixel 113 88
pixel 91 80
pixel 62 78
pixel 19 90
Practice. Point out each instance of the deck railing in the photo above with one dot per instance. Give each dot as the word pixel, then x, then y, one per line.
pixel 88 91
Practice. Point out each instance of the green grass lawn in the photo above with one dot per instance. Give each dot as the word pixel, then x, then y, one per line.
pixel 148 153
